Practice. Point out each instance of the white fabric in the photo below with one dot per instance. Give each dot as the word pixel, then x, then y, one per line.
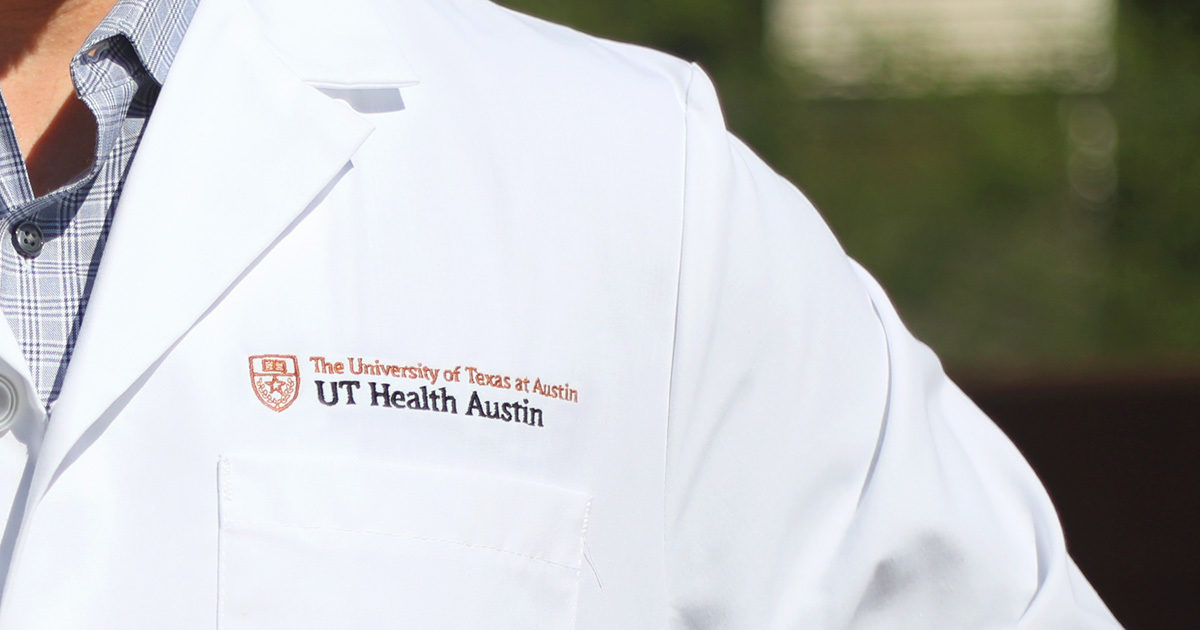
pixel 735 430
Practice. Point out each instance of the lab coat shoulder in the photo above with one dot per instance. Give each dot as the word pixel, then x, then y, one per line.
pixel 822 471
pixel 477 43
pixel 521 44
pixel 563 121
pixel 498 52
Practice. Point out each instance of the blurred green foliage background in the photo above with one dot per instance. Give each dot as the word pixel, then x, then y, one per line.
pixel 962 204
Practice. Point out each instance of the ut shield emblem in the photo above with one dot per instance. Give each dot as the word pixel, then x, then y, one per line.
pixel 276 379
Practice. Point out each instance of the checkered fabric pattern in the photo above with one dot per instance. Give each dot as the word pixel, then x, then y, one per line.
pixel 117 73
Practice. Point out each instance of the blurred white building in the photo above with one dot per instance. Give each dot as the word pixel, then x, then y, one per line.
pixel 917 46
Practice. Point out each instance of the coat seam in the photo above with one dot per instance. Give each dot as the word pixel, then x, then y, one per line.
pixel 667 424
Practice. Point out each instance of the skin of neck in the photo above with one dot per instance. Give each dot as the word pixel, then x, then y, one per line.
pixel 32 31
pixel 55 131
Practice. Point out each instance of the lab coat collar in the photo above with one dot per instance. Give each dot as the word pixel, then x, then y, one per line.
pixel 238 148
pixel 336 45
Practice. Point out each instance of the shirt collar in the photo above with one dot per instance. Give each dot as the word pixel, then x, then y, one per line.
pixel 153 27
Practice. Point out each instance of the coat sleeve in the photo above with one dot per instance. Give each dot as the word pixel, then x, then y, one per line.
pixel 822 471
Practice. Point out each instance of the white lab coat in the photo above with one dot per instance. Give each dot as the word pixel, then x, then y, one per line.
pixel 732 427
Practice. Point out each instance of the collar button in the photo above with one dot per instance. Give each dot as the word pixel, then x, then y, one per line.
pixel 28 239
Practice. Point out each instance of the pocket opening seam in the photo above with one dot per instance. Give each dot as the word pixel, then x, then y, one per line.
pixel 371 532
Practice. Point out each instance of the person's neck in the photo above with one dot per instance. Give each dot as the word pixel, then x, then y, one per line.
pixel 38 38
pixel 33 31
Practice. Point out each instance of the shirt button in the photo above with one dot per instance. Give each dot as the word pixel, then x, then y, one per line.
pixel 8 403
pixel 27 238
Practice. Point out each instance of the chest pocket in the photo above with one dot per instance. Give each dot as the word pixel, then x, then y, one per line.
pixel 308 543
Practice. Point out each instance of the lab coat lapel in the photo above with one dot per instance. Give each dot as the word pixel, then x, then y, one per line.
pixel 236 150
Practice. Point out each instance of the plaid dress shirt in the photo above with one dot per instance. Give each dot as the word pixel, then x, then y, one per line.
pixel 117 73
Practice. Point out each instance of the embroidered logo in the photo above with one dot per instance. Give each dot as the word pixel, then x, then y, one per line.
pixel 276 379
pixel 510 397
